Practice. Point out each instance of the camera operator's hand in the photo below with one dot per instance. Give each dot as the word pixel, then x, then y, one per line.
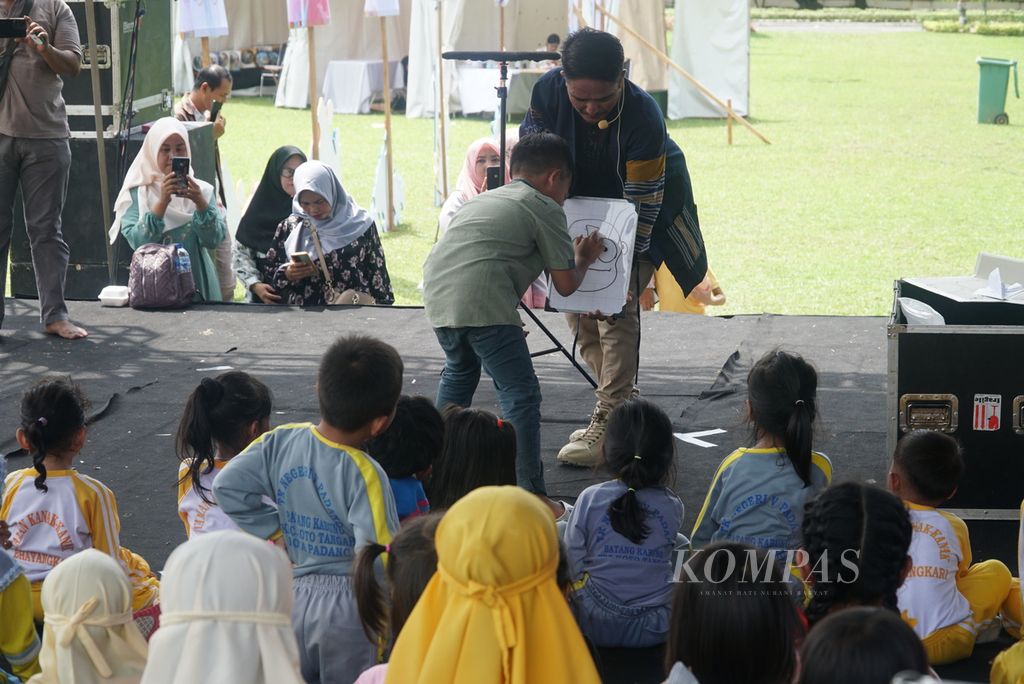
pixel 296 271
pixel 34 30
pixel 218 126
pixel 192 192
pixel 62 62
pixel 168 188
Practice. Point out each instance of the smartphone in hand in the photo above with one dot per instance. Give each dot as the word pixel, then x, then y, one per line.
pixel 302 258
pixel 494 179
pixel 180 167
pixel 13 28
pixel 215 111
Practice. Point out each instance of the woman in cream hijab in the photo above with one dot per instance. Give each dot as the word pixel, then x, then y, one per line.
pixel 492 613
pixel 89 636
pixel 226 599
pixel 154 207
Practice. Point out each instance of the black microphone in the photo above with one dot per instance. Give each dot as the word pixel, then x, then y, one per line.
pixel 502 56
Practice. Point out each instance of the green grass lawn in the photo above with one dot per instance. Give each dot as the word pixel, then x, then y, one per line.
pixel 878 170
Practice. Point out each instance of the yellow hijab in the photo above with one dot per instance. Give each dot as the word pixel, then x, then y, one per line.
pixel 492 612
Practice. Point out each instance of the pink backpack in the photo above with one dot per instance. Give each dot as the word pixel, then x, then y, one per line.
pixel 160 277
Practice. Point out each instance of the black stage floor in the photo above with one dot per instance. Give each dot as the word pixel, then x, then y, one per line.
pixel 141 366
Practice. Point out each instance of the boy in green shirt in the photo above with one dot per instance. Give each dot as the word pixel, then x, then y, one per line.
pixel 496 245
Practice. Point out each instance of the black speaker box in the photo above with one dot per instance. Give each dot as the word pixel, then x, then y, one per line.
pixel 83 225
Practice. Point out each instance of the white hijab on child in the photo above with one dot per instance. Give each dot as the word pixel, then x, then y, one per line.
pixel 145 174
pixel 88 634
pixel 226 602
pixel 347 221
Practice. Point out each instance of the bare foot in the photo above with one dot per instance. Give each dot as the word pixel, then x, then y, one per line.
pixel 66 329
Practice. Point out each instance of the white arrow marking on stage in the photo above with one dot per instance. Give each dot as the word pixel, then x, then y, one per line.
pixel 691 437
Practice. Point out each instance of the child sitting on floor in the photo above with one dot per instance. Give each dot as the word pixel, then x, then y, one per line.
pixel 733 619
pixel 407 451
pixel 861 645
pixel 331 499
pixel 55 511
pixel 479 450
pixel 222 416
pixel 19 643
pixel 1008 667
pixel 412 561
pixel 855 539
pixel 757 495
pixel 621 533
pixel 945 598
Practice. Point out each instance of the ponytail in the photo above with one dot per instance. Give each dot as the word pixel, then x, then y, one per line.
pixel 371 600
pixel 639 449
pixel 217 416
pixel 52 413
pixel 782 391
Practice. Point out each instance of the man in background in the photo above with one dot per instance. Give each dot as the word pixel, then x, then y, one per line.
pixel 34 149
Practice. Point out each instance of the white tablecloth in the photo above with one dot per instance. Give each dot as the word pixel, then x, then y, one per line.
pixel 351 84
pixel 478 89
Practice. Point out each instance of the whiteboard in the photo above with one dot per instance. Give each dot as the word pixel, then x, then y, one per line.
pixel 606 284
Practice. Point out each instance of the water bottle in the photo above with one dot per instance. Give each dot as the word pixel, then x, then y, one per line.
pixel 182 262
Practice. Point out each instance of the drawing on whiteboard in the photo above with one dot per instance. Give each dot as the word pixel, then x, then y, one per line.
pixel 605 271
pixel 606 283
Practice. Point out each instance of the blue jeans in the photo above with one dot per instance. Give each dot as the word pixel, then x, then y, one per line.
pixel 501 350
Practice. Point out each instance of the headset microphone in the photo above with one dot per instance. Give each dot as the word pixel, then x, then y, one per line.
pixel 603 124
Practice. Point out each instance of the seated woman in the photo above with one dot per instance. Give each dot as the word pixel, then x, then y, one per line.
pixel 472 180
pixel 153 207
pixel 340 239
pixel 271 204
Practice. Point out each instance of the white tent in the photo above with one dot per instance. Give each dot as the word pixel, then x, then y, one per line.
pixel 646 17
pixel 712 42
pixel 349 36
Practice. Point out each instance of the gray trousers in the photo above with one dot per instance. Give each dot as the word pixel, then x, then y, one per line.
pixel 41 168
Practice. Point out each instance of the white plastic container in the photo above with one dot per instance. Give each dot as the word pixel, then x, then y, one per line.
pixel 114 295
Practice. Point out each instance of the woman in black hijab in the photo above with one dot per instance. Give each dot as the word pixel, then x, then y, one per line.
pixel 271 204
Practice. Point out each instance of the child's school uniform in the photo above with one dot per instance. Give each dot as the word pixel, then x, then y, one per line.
pixel 19 643
pixel 76 513
pixel 757 498
pixel 331 500
pixel 622 591
pixel 1008 667
pixel 201 516
pixel 410 497
pixel 945 598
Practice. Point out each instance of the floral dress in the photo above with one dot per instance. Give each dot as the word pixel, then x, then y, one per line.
pixel 358 266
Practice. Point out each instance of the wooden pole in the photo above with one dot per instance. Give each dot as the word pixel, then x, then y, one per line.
pixel 501 27
pixel 696 84
pixel 313 95
pixel 206 51
pixel 387 123
pixel 442 102
pixel 578 9
pixel 101 145
pixel 728 121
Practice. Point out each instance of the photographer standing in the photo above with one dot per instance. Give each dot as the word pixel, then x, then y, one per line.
pixel 34 149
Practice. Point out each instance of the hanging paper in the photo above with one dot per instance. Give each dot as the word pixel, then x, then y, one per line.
pixel 304 13
pixel 379 201
pixel 202 18
pixel 381 8
pixel 501 3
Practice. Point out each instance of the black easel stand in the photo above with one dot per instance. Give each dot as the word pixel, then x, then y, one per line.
pixel 503 58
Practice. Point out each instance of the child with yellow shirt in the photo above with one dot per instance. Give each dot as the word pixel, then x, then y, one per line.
pixel 945 598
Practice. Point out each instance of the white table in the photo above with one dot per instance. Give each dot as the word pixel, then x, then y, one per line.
pixel 352 84
pixel 477 88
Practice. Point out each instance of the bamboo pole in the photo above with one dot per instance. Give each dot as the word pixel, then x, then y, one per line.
pixel 205 42
pixel 442 103
pixel 313 95
pixel 693 81
pixel 101 144
pixel 387 123
pixel 578 9
pixel 728 121
pixel 501 27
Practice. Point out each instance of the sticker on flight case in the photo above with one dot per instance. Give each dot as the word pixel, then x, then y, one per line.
pixel 987 412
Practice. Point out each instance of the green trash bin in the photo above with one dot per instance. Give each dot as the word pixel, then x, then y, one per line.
pixel 992 84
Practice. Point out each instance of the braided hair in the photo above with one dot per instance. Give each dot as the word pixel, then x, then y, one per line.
pixel 857 538
pixel 217 416
pixel 782 390
pixel 639 450
pixel 52 413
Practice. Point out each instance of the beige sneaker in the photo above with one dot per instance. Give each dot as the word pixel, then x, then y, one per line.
pixel 585 450
pixel 578 434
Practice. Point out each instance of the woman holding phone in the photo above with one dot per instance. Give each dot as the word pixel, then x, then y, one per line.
pixel 158 204
pixel 328 251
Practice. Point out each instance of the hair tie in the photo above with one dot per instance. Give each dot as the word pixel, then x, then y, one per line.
pixel 798 402
pixel 387 548
pixel 42 421
pixel 501 423
pixel 630 489
pixel 213 389
pixel 637 457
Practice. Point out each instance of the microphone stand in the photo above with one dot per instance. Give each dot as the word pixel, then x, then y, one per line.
pixel 503 59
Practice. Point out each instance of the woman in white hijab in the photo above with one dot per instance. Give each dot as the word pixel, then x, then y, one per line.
pixel 89 636
pixel 154 206
pixel 226 599
pixel 328 251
